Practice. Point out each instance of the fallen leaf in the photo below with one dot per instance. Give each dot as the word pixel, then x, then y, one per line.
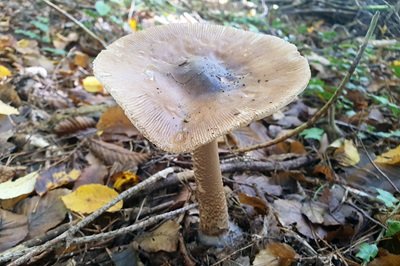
pixel 6 109
pixel 133 24
pixel 386 259
pixel 111 153
pixel 13 229
pixel 91 84
pixel 164 238
pixel 289 214
pixel 258 204
pixel 326 171
pixel 85 199
pixel 93 174
pixel 21 186
pixel 247 184
pixel 4 72
pixel 275 254
pixel 124 180
pixel 55 177
pixel 74 124
pixel 81 59
pixel 346 153
pixel 43 213
pixel 114 121
pixel 391 157
pixel 314 212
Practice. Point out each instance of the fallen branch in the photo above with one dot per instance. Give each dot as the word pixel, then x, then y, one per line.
pixel 331 101
pixel 68 235
pixel 134 227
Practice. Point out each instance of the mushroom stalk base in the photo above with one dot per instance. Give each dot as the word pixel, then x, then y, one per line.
pixel 210 191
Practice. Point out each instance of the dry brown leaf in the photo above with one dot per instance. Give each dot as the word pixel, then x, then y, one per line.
pixel 8 94
pixel 86 199
pixel 253 134
pixel 275 254
pixel 326 171
pixel 13 229
pixel 114 121
pixel 164 238
pixel 314 212
pixel 55 177
pixel 289 214
pixel 297 147
pixel 391 157
pixel 44 212
pixel 93 174
pixel 74 124
pixel 263 184
pixel 258 204
pixel 388 259
pixel 111 153
pixel 81 59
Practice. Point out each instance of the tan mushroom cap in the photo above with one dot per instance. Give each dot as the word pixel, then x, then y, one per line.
pixel 183 85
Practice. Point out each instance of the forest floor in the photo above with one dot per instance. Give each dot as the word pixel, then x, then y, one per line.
pixel 326 194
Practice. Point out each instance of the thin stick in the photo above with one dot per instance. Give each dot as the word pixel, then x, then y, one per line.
pixel 77 22
pixel 134 227
pixel 334 97
pixel 67 236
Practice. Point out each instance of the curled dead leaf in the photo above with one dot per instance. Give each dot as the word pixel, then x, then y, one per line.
pixel 111 153
pixel 391 157
pixel 124 180
pixel 346 152
pixel 74 124
pixel 258 204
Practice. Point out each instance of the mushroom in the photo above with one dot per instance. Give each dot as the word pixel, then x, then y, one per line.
pixel 184 85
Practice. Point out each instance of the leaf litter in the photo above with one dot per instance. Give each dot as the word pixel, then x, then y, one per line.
pixel 66 149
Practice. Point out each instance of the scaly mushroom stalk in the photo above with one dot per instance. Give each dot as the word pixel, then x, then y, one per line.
pixel 210 191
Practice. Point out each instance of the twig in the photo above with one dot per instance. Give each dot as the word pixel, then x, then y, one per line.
pixel 134 227
pixel 334 97
pixel 77 22
pixel 67 236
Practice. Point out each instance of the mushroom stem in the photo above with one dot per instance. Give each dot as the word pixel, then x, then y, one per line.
pixel 210 191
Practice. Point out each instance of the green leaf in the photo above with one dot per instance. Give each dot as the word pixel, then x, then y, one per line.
pixel 367 252
pixel 396 70
pixel 393 227
pixel 388 199
pixel 102 8
pixel 54 51
pixel 28 33
pixel 41 26
pixel 312 133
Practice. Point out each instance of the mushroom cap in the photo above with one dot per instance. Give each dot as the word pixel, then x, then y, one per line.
pixel 183 85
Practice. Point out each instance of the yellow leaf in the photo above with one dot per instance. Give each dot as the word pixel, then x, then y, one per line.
pixel 133 24
pixel 346 154
pixel 124 180
pixel 21 186
pixel 6 109
pixel 89 198
pixel 4 72
pixel 396 63
pixel 91 84
pixel 391 157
